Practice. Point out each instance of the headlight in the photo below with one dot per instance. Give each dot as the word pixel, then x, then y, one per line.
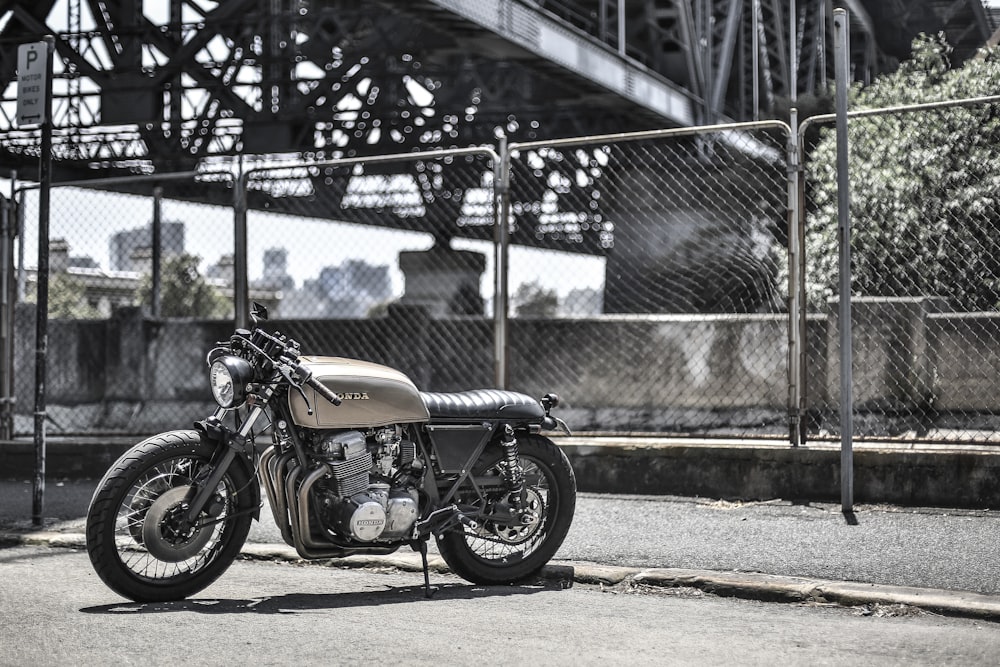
pixel 228 377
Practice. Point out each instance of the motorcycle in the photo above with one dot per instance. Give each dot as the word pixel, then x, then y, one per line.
pixel 358 462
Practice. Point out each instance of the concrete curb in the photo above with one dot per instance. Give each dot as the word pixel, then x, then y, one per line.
pixel 898 473
pixel 746 585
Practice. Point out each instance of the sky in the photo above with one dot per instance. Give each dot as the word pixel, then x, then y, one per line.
pixel 86 220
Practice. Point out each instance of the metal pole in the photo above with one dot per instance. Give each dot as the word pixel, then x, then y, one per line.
pixel 841 46
pixel 822 45
pixel 755 57
pixel 796 308
pixel 22 274
pixel 157 250
pixel 621 27
pixel 796 311
pixel 803 354
pixel 42 301
pixel 793 62
pixel 501 238
pixel 241 285
pixel 7 235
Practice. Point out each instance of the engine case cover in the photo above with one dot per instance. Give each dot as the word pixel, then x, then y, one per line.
pixel 371 395
pixel 401 514
pixel 363 521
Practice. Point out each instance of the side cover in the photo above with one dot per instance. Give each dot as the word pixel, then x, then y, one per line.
pixel 371 395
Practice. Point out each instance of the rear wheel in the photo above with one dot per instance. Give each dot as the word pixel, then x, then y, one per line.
pixel 137 538
pixel 496 552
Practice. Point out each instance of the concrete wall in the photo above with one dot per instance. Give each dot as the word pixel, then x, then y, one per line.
pixel 917 368
pixel 679 373
pixel 925 476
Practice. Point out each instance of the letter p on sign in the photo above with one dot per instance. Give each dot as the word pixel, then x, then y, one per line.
pixel 32 78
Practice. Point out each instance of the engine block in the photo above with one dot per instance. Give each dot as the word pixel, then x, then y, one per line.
pixel 381 513
pixel 358 506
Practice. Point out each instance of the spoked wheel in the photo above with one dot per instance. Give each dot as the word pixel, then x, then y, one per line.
pixel 138 538
pixel 500 552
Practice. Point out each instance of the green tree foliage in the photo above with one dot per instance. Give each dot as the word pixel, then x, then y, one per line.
pixel 533 300
pixel 925 187
pixel 184 291
pixel 66 299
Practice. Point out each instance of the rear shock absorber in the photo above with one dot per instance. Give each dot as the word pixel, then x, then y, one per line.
pixel 513 473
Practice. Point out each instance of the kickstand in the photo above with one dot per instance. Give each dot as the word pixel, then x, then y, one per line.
pixel 428 591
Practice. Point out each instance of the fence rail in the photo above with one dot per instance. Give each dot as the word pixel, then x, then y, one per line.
pixel 649 278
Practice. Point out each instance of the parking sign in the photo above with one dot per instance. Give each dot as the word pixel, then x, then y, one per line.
pixel 32 77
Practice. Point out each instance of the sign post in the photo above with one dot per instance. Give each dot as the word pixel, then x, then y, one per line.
pixel 34 107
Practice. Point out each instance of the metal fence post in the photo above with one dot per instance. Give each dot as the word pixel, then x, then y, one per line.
pixel 796 309
pixel 502 238
pixel 7 296
pixel 796 301
pixel 241 287
pixel 22 274
pixel 842 45
pixel 157 251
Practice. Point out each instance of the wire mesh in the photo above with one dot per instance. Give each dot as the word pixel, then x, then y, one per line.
pixel 112 363
pixel 658 304
pixel 388 260
pixel 924 212
pixel 647 277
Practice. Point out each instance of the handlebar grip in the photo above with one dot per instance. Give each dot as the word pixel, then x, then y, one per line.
pixel 323 391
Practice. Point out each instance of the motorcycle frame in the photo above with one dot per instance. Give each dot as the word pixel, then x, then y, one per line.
pixel 280 474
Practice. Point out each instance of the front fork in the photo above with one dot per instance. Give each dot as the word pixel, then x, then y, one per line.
pixel 201 496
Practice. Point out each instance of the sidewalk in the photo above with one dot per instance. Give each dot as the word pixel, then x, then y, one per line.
pixel 775 551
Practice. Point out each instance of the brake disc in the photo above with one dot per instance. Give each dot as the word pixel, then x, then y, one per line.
pixel 162 534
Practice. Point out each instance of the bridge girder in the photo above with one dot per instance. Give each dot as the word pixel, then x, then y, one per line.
pixel 142 92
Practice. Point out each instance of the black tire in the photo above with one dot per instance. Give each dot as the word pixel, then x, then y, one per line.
pixel 143 560
pixel 495 554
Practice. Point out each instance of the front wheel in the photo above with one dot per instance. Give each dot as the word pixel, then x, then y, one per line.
pixel 494 552
pixel 137 538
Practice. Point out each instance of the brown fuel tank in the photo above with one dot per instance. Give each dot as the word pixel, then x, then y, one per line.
pixel 370 394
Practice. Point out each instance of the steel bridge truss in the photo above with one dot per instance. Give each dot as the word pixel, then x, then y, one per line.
pixel 144 87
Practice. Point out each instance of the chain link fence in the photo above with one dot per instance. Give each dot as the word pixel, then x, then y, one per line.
pixel 659 300
pixel 127 257
pixel 925 239
pixel 643 277
pixel 384 259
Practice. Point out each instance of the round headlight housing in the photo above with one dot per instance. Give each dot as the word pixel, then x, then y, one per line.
pixel 229 376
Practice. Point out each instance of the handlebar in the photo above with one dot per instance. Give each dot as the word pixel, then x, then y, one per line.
pixel 279 348
pixel 323 391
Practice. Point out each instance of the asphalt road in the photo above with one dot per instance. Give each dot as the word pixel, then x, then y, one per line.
pixel 919 547
pixel 56 611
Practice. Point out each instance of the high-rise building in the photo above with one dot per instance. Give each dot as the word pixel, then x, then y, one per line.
pixel 124 244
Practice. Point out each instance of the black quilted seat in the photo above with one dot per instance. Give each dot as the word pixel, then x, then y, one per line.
pixel 483 404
